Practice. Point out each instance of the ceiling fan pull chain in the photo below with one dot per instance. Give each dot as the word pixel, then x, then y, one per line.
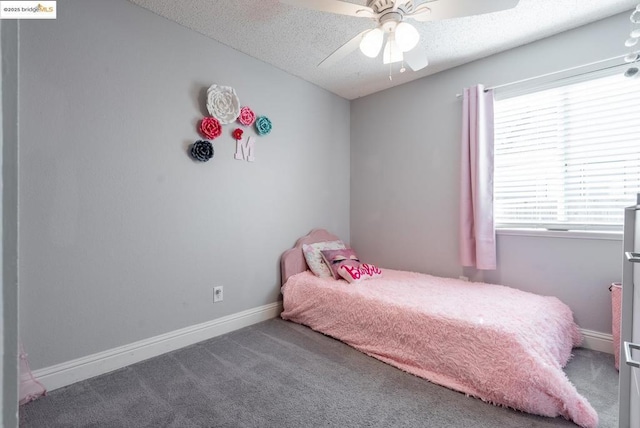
pixel 390 62
pixel 390 70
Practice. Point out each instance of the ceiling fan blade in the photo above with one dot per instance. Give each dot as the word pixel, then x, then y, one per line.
pixel 398 3
pixel 333 6
pixel 443 9
pixel 416 58
pixel 343 51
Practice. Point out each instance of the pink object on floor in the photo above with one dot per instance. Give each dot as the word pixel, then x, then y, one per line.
pixel 504 346
pixel 30 388
pixel 616 302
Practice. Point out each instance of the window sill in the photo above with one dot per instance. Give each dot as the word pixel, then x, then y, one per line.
pixel 570 234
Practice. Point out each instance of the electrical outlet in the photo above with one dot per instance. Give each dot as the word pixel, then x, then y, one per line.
pixel 464 278
pixel 217 294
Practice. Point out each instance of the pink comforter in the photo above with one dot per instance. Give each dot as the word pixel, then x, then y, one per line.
pixel 496 343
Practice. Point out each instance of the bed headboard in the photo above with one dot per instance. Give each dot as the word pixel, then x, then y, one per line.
pixel 292 260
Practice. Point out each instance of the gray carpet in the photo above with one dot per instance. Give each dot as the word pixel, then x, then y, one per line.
pixel 280 374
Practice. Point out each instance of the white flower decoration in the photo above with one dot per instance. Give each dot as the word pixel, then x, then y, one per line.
pixel 223 103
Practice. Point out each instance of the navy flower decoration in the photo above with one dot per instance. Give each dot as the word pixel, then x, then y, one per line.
pixel 202 150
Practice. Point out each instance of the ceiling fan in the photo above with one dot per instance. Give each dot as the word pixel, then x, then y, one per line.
pixel 390 17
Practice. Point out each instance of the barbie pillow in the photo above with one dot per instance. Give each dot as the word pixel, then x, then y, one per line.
pixel 360 272
pixel 336 258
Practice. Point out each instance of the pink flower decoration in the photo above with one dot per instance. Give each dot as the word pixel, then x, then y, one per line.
pixel 237 133
pixel 247 116
pixel 210 127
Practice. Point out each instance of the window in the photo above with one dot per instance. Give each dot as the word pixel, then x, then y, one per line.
pixel 568 158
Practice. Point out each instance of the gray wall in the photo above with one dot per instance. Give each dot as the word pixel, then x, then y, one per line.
pixel 122 235
pixel 405 179
pixel 9 90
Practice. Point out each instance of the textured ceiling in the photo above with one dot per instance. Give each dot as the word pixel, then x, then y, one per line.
pixel 296 40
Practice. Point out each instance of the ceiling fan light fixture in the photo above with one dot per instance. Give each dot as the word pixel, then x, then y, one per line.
pixel 372 42
pixel 392 52
pixel 406 36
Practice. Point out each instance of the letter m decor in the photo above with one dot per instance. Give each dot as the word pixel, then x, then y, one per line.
pixel 245 150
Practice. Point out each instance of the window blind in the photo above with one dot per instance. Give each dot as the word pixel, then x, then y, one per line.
pixel 568 157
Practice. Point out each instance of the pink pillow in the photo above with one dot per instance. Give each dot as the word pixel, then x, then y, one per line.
pixel 359 273
pixel 336 258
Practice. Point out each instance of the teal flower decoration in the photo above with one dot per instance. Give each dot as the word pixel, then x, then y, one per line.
pixel 263 125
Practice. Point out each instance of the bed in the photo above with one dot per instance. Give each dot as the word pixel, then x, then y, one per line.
pixel 504 346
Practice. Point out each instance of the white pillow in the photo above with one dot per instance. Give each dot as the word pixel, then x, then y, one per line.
pixel 313 256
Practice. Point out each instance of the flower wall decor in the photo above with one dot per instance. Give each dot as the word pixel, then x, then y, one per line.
pixel 223 103
pixel 202 150
pixel 210 128
pixel 224 107
pixel 263 125
pixel 247 116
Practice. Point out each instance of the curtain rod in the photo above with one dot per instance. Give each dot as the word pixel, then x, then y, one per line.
pixel 559 72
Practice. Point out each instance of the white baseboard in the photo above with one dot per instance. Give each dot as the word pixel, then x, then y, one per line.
pixel 73 371
pixel 597 341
